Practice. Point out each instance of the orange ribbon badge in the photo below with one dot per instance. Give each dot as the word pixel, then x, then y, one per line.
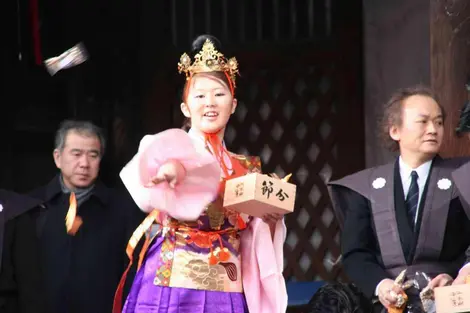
pixel 72 221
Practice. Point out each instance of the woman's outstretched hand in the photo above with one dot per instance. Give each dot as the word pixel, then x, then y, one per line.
pixel 172 172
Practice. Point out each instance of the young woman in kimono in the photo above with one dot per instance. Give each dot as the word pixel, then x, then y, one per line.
pixel 222 262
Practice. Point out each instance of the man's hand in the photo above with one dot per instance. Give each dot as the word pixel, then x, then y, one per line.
pixel 388 292
pixel 440 280
pixel 462 277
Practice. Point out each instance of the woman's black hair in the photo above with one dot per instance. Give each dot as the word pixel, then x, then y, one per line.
pixel 464 121
pixel 336 297
pixel 197 44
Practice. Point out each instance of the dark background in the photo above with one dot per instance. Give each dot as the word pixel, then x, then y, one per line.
pixel 300 92
pixel 128 42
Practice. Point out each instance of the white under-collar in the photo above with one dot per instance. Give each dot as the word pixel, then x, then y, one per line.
pixel 422 170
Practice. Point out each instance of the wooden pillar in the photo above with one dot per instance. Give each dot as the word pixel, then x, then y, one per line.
pixel 450 66
pixel 412 42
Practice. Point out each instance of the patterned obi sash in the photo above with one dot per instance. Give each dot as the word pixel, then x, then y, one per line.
pixel 195 259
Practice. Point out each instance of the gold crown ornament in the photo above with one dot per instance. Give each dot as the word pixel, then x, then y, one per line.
pixel 208 60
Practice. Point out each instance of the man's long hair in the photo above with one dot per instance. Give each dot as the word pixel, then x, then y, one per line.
pixel 393 112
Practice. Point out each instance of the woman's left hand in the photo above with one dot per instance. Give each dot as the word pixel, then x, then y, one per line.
pixel 272 218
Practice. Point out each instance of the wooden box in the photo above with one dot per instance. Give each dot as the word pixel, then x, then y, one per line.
pixel 257 194
pixel 452 299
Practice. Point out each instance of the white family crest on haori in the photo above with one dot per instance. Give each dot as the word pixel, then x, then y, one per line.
pixel 379 183
pixel 444 183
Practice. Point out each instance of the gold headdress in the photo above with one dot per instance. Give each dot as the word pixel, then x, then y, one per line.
pixel 208 60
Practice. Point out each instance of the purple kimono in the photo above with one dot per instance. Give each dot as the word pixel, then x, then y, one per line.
pixel 194 267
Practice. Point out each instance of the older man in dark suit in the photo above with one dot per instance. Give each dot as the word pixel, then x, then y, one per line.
pixel 406 215
pixel 83 237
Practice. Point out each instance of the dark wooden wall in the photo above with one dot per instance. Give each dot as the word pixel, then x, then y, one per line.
pixel 396 55
pixel 103 90
pixel 450 65
pixel 413 42
pixel 300 103
pixel 300 94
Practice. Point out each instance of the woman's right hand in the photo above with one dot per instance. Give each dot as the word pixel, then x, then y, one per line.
pixel 173 172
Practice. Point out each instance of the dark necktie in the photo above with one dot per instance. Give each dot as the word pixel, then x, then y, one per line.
pixel 412 198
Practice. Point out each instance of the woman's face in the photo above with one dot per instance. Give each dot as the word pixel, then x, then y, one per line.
pixel 209 103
